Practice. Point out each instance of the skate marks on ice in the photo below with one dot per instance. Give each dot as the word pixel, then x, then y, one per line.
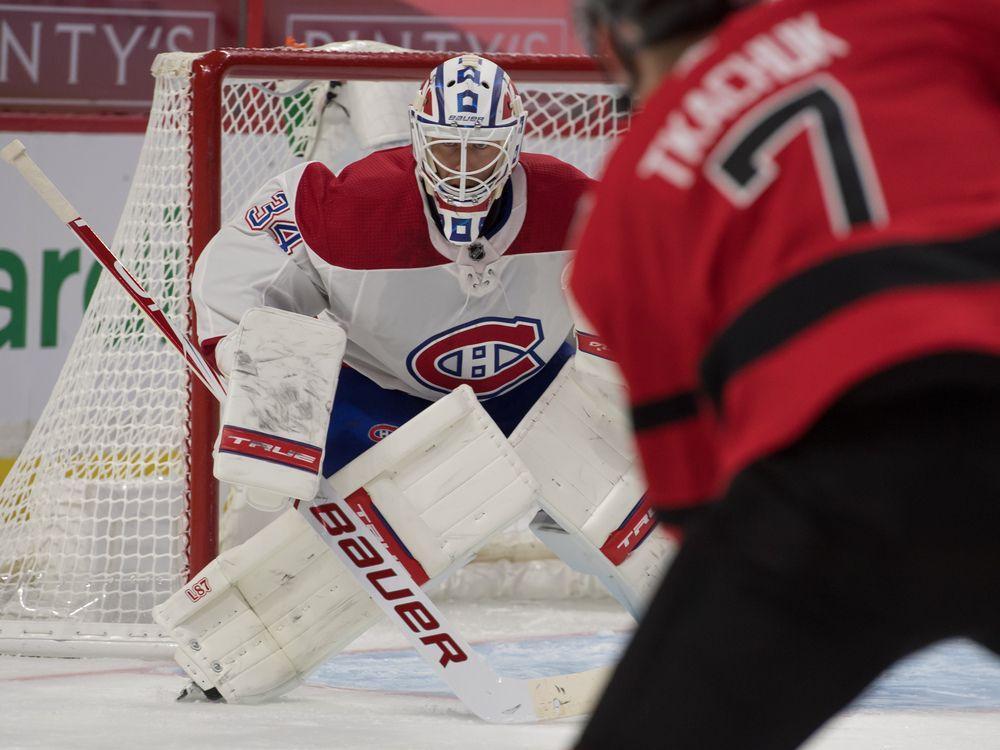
pixel 380 697
pixel 401 671
pixel 956 675
pixel 946 697
pixel 100 703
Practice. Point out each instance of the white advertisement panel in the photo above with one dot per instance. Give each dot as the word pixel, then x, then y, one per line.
pixel 46 274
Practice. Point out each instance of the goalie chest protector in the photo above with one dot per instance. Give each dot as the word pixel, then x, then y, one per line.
pixel 422 315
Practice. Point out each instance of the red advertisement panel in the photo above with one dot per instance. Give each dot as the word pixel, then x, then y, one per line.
pixel 61 55
pixel 97 55
pixel 541 26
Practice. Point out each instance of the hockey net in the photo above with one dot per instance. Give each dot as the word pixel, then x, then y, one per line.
pixel 111 503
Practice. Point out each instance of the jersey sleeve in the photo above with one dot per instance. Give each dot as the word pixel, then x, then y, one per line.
pixel 258 258
pixel 616 272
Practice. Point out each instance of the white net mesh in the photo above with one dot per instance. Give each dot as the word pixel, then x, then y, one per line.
pixel 94 514
pixel 93 522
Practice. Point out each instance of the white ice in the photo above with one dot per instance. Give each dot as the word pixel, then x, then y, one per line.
pixel 379 696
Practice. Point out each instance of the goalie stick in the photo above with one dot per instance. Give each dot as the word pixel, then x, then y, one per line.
pixel 358 546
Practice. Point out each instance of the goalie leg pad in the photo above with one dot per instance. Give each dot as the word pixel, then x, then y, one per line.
pixel 632 582
pixel 577 442
pixel 263 614
pixel 284 370
pixel 446 481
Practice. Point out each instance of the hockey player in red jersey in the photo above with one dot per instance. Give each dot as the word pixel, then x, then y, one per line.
pixel 794 255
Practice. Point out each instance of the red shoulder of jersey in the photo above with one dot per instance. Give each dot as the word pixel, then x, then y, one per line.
pixel 369 216
pixel 554 189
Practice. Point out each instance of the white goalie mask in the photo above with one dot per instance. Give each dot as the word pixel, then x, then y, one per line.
pixel 467 124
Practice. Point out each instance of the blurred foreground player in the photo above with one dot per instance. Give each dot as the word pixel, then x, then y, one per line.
pixel 795 258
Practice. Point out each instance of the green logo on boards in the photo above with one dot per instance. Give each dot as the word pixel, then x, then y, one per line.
pixel 16 301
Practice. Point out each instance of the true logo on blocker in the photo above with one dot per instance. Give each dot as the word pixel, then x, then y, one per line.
pixel 491 355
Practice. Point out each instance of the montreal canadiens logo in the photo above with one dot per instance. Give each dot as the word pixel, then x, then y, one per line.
pixel 491 355
pixel 380 431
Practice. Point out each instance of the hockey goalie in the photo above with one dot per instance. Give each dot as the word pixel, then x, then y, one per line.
pixel 405 314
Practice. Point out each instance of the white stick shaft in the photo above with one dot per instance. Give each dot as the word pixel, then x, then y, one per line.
pixel 16 154
pixel 491 697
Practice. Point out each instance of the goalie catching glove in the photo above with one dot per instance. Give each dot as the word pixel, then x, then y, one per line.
pixel 264 614
pixel 283 369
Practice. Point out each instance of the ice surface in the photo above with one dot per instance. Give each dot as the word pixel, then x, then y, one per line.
pixel 379 696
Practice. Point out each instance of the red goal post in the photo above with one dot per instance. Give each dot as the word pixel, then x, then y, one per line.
pixel 112 503
pixel 208 74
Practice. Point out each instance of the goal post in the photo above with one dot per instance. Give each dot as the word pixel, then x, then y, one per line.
pixel 211 71
pixel 112 503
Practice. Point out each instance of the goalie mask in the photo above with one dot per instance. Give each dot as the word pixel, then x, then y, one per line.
pixel 466 124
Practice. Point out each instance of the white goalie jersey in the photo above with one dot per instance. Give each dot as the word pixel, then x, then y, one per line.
pixel 421 315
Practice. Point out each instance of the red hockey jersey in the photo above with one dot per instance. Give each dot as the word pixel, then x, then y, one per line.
pixel 812 196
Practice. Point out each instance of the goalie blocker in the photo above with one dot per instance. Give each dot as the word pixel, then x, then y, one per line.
pixel 264 614
pixel 283 369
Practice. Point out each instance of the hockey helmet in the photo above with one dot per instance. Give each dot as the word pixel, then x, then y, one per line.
pixel 617 29
pixel 466 124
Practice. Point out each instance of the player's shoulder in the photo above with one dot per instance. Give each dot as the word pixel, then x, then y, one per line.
pixel 380 173
pixel 368 216
pixel 624 186
pixel 754 55
pixel 553 192
pixel 545 172
pixel 553 183
pixel 380 167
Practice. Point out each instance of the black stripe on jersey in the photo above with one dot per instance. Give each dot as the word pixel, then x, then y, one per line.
pixel 799 302
pixel 672 408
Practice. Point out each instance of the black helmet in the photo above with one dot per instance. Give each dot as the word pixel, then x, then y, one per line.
pixel 618 28
pixel 654 20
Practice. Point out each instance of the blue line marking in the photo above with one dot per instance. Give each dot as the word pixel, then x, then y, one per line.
pixel 948 676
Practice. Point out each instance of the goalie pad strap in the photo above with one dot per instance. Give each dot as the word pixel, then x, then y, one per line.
pixel 633 531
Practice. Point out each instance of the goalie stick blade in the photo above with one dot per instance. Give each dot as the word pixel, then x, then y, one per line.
pixel 194 694
pixel 570 694
pixel 487 694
